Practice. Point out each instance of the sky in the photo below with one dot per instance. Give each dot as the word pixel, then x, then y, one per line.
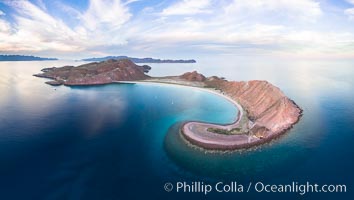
pixel 177 28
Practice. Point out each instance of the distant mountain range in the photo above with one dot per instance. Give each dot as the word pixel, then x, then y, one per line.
pixel 23 58
pixel 139 60
pixel 135 60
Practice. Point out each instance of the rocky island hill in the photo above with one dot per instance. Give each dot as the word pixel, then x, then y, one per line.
pixel 139 60
pixel 264 110
pixel 23 58
pixel 96 73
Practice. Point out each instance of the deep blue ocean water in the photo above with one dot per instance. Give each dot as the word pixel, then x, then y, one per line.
pixel 119 141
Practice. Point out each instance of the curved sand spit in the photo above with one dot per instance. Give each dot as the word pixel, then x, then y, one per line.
pixel 264 113
pixel 272 113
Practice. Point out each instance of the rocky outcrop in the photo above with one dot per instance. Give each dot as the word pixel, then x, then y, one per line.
pixel 96 73
pixel 266 105
pixel 193 76
pixel 265 111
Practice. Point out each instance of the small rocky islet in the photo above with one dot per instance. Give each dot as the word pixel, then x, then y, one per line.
pixel 265 112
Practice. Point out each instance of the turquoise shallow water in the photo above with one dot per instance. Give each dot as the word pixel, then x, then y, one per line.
pixel 119 141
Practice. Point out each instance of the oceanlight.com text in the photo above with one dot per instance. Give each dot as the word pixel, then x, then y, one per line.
pixel 259 187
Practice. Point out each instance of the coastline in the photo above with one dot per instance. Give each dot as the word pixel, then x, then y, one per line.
pixel 196 133
pixel 264 110
pixel 210 90
pixel 210 141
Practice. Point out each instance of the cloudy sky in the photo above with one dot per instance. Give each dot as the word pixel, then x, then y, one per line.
pixel 177 28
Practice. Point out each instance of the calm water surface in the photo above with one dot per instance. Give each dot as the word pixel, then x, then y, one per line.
pixel 119 141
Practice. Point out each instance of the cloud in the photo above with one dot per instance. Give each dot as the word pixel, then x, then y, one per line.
pixel 37 30
pixel 41 4
pixel 350 13
pixel 236 21
pixel 247 26
pixel 72 12
pixel 5 28
pixel 233 23
pixel 350 1
pixel 293 9
pixel 187 7
pixel 2 13
pixel 130 1
pixel 109 27
pixel 105 13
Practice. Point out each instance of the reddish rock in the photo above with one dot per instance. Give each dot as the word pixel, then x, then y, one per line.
pixel 97 73
pixel 193 76
pixel 270 111
pixel 54 83
pixel 265 104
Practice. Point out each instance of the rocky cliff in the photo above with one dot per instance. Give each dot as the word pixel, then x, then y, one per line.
pixel 267 107
pixel 96 73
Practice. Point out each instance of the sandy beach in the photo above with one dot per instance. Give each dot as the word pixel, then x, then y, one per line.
pixel 197 133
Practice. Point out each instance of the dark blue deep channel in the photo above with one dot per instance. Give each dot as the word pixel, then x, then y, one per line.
pixel 121 141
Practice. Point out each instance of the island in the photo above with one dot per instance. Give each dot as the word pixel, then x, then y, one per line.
pixel 139 60
pixel 265 112
pixel 23 58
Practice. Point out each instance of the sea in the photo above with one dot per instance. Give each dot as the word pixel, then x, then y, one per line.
pixel 121 141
